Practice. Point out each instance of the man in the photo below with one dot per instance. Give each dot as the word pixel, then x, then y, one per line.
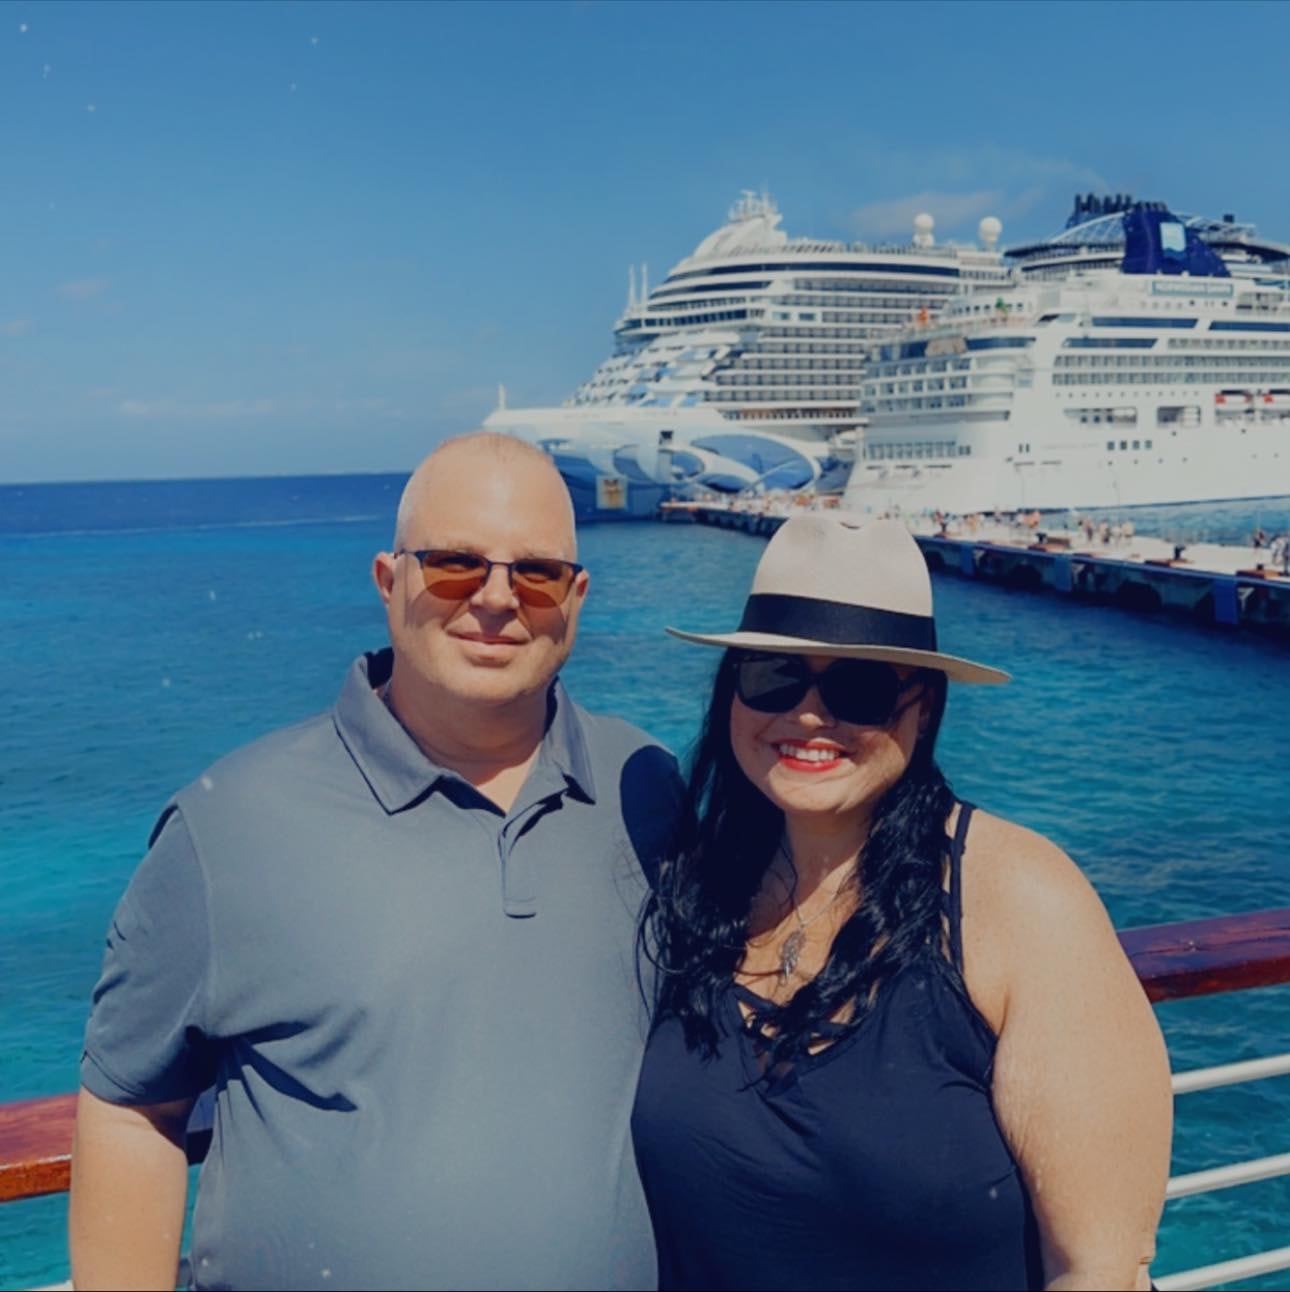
pixel 398 942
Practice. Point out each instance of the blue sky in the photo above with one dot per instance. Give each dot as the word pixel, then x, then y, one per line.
pixel 244 238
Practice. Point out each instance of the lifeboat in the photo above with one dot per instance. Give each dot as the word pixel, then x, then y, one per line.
pixel 1233 403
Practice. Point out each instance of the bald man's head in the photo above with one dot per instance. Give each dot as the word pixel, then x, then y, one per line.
pixel 496 497
pixel 486 452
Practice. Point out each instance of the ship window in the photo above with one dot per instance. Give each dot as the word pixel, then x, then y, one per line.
pixel 1000 342
pixel 1110 446
pixel 1221 326
pixel 1120 321
pixel 1108 342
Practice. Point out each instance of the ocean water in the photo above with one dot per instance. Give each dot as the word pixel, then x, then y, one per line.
pixel 148 628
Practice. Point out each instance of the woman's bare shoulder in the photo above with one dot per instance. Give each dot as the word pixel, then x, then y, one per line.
pixel 1015 870
pixel 1028 912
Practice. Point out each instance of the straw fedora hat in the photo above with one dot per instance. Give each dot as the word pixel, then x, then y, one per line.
pixel 831 586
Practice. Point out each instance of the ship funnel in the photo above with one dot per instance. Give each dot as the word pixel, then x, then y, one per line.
pixel 1157 242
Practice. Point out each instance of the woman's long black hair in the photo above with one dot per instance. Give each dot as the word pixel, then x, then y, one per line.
pixel 695 925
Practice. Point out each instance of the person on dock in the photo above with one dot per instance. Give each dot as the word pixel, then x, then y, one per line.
pixel 896 1042
pixel 398 942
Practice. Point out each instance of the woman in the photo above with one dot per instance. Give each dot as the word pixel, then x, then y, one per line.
pixel 897 1044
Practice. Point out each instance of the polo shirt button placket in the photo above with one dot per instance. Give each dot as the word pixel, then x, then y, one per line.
pixel 519 878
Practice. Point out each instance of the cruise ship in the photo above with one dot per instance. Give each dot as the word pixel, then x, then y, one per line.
pixel 1138 358
pixel 742 368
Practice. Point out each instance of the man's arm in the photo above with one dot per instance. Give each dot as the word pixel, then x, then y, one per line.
pixel 129 1188
pixel 146 1057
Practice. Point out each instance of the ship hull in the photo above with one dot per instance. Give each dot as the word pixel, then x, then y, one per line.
pixel 1204 464
pixel 620 464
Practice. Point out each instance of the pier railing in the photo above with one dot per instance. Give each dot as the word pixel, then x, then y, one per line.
pixel 1173 962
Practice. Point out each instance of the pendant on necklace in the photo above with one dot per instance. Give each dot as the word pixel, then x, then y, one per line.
pixel 790 952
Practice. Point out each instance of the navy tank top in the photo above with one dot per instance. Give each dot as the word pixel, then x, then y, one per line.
pixel 874 1163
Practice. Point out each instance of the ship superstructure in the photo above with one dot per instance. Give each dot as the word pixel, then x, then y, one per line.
pixel 1144 361
pixel 746 360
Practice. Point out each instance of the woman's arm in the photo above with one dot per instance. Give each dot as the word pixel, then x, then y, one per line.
pixel 1081 1077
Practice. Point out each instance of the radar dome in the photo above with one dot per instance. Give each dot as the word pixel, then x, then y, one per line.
pixel 923 226
pixel 988 231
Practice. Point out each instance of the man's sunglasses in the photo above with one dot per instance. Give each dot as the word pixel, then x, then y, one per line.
pixel 864 692
pixel 538 581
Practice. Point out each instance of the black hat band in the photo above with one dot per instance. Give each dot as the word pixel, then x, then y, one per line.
pixel 836 622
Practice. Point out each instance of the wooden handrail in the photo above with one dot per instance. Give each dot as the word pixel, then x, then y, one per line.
pixel 1173 961
pixel 1202 957
pixel 36 1146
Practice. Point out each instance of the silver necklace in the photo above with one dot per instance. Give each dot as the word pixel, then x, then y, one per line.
pixel 790 950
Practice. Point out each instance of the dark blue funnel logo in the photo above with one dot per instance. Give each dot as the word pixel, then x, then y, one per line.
pixel 1157 242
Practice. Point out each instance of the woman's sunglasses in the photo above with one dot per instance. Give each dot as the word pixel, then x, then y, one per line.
pixel 864 692
pixel 537 581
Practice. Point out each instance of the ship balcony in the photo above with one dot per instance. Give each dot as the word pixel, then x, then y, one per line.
pixel 1230 954
pixel 951 324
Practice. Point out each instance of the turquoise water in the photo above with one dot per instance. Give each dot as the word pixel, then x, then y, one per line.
pixel 148 628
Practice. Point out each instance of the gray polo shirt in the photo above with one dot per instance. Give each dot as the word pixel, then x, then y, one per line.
pixel 420 1015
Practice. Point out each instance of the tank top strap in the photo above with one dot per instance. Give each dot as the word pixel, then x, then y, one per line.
pixel 956 884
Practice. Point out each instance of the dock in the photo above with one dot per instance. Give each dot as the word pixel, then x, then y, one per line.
pixel 1235 587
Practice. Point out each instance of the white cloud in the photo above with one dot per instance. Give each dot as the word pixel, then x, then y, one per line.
pixel 474 403
pixel 168 409
pixel 896 215
pixel 369 406
pixel 15 327
pixel 958 186
pixel 179 410
pixel 1008 168
pixel 83 289
pixel 282 350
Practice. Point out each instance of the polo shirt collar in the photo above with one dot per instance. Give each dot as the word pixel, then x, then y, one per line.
pixel 393 764
pixel 565 742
